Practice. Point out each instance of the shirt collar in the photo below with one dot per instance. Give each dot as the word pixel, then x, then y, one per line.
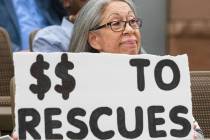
pixel 67 26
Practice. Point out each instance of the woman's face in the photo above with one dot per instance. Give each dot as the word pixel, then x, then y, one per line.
pixel 126 41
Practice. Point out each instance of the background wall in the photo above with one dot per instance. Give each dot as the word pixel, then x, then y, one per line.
pixel 189 31
pixel 153 13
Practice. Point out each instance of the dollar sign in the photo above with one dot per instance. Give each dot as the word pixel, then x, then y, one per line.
pixel 43 81
pixel 68 81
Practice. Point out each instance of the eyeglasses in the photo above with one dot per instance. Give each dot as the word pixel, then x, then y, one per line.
pixel 118 26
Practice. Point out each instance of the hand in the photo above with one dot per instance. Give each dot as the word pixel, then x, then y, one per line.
pixel 15 136
pixel 197 132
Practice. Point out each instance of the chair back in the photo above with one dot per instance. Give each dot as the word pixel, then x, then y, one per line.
pixel 31 38
pixel 6 63
pixel 6 73
pixel 200 86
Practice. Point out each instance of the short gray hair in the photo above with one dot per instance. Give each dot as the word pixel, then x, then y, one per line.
pixel 89 17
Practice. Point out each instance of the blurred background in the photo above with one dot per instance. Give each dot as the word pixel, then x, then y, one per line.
pixel 177 27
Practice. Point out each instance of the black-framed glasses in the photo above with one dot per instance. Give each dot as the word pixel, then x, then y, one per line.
pixel 118 26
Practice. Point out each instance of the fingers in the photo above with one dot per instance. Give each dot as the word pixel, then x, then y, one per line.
pixel 15 136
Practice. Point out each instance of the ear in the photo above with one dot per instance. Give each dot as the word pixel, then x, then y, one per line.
pixel 93 40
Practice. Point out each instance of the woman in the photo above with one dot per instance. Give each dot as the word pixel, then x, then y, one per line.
pixel 108 26
pixel 112 26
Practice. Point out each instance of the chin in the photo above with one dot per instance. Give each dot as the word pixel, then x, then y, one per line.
pixel 130 52
pixel 133 51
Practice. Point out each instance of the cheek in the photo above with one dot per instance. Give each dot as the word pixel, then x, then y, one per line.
pixel 110 42
pixel 138 36
pixel 114 40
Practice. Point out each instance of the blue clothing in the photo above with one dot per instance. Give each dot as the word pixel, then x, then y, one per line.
pixel 29 17
pixel 53 38
pixel 51 12
pixel 8 20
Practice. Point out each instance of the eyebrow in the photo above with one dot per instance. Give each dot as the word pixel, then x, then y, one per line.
pixel 117 15
pixel 114 15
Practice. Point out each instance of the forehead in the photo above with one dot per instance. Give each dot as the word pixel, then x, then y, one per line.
pixel 117 8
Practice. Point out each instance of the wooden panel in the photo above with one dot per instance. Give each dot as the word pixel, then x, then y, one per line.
pixel 198 50
pixel 189 9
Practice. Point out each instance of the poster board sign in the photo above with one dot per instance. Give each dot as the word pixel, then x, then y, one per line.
pixel 102 96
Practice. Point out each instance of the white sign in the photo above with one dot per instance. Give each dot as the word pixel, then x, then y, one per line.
pixel 102 96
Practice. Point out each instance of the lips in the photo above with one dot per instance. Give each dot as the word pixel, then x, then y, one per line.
pixel 129 43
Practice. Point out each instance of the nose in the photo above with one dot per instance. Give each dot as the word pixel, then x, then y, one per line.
pixel 128 29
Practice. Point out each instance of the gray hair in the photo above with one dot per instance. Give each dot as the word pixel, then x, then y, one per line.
pixel 89 17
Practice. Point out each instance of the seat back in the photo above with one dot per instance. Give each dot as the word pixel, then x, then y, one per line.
pixel 6 63
pixel 6 73
pixel 31 38
pixel 200 86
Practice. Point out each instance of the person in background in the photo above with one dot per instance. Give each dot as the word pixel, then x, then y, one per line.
pixel 56 38
pixel 20 17
pixel 8 20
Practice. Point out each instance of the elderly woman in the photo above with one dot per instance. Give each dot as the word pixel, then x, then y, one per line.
pixel 110 26
pixel 107 26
